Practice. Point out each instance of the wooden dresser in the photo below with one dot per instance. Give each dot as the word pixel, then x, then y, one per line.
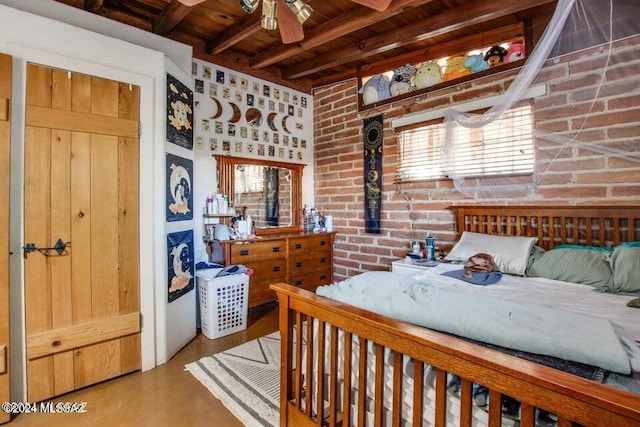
pixel 300 259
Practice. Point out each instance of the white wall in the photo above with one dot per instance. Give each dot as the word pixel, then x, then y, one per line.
pixel 180 314
pixel 31 38
pixel 293 144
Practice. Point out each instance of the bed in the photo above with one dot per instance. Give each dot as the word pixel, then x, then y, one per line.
pixel 366 355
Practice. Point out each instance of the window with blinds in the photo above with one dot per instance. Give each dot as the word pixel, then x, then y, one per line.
pixel 249 179
pixel 504 147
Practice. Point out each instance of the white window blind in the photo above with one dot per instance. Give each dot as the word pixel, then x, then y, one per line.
pixel 504 147
pixel 249 179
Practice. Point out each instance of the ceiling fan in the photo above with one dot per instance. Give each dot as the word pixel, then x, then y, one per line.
pixel 288 15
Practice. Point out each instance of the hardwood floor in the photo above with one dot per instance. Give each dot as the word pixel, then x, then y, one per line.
pixel 167 395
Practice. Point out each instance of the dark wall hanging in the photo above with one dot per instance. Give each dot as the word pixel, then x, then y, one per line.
pixel 180 264
pixel 271 196
pixel 372 173
pixel 179 113
pixel 179 190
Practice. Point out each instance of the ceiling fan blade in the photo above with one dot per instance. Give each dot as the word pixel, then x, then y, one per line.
pixel 290 29
pixel 379 5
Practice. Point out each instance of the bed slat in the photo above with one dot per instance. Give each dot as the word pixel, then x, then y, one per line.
pixel 379 387
pixel 466 404
pixel 418 392
pixel 348 359
pixel 397 387
pixel 527 414
pixel 362 380
pixel 441 398
pixel 495 408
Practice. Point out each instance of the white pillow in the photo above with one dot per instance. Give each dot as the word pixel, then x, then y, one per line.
pixel 510 253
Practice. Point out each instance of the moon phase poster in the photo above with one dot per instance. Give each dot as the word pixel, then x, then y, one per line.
pixel 179 113
pixel 179 197
pixel 180 262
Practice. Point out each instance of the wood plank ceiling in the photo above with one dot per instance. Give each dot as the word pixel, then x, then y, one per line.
pixel 340 38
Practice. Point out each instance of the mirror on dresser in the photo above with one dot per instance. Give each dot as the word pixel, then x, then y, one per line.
pixel 269 192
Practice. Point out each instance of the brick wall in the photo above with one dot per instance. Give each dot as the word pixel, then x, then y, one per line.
pixel 572 175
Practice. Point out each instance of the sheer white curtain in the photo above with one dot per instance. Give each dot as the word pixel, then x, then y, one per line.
pixel 575 25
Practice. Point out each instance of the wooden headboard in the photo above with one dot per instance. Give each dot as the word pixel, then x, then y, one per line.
pixel 604 226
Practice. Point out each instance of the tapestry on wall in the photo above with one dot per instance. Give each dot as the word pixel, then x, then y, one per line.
pixel 180 263
pixel 271 195
pixel 372 173
pixel 179 113
pixel 179 193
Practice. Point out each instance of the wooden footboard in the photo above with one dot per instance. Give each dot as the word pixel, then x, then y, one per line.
pixel 572 399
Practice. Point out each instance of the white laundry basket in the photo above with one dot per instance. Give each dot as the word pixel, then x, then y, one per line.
pixel 223 303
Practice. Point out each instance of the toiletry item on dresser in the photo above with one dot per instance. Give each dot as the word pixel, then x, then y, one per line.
pixel 210 205
pixel 431 248
pixel 328 223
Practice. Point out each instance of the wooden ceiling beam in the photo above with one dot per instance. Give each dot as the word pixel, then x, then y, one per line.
pixel 335 28
pixel 451 20
pixel 170 16
pixel 234 34
pixel 93 6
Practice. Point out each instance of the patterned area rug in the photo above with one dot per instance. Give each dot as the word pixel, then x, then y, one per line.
pixel 246 379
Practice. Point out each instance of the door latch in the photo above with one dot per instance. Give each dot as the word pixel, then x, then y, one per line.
pixel 60 248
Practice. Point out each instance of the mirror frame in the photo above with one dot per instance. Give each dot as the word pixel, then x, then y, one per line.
pixel 226 165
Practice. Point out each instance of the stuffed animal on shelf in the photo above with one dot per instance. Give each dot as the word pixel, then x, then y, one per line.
pixel 476 63
pixel 428 74
pixel 495 56
pixel 376 89
pixel 403 80
pixel 455 68
pixel 515 52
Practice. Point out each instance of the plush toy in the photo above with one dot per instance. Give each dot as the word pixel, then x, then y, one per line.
pixel 495 56
pixel 428 74
pixel 455 68
pixel 402 80
pixel 476 63
pixel 375 89
pixel 514 53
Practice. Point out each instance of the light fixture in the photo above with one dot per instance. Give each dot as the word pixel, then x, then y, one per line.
pixel 249 6
pixel 269 10
pixel 301 10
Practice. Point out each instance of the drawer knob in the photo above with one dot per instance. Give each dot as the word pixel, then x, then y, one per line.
pixel 244 252
pixel 298 245
pixel 298 282
pixel 323 260
pixel 298 264
pixel 323 277
pixel 323 243
pixel 275 268
pixel 275 249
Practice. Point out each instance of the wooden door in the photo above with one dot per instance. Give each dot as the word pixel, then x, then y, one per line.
pixel 81 188
pixel 5 115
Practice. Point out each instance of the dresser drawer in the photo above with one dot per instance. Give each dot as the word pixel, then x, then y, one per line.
pixel 302 245
pixel 270 271
pixel 311 281
pixel 260 251
pixel 308 263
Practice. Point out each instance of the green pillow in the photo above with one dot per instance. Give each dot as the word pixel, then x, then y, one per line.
pixel 625 264
pixel 584 248
pixel 574 265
